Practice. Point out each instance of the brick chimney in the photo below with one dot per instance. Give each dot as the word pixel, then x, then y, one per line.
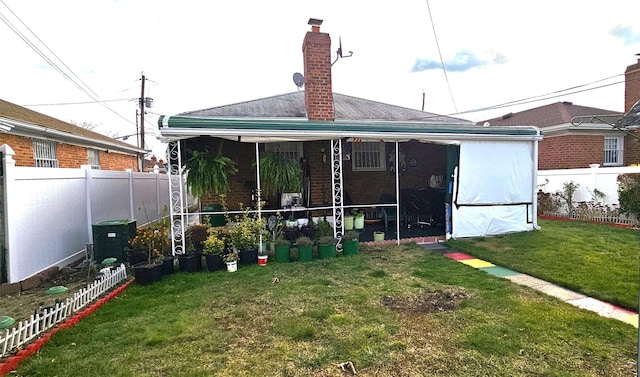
pixel 316 52
pixel 631 85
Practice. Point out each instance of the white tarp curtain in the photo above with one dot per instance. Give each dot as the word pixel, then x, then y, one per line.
pixel 495 188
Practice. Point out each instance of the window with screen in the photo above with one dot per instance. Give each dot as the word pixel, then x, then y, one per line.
pixel 44 154
pixel 292 149
pixel 613 148
pixel 368 156
pixel 93 156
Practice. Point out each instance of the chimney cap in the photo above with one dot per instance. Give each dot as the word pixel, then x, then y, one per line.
pixel 315 22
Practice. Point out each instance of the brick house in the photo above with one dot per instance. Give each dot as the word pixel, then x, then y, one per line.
pixel 42 141
pixel 588 139
pixel 370 155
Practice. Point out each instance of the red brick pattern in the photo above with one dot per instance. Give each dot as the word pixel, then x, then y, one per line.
pixel 570 152
pixel 316 50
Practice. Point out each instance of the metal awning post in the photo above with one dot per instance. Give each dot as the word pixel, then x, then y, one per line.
pixel 397 196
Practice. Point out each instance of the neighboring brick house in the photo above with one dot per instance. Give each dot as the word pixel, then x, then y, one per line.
pixel 568 145
pixel 565 145
pixel 42 141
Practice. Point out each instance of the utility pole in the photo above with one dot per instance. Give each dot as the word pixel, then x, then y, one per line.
pixel 142 105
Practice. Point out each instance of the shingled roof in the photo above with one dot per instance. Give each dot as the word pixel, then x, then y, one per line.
pixel 291 105
pixel 548 115
pixel 21 114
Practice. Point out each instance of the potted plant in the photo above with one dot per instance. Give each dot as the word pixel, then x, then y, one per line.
pixel 207 172
pixel 304 245
pixel 150 270
pixel 378 236
pixel 231 260
pixel 358 219
pixel 279 175
pixel 348 222
pixel 324 228
pixel 213 248
pixel 282 250
pixel 245 234
pixel 191 259
pixel 327 247
pixel 350 242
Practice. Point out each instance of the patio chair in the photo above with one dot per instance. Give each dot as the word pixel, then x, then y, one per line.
pixel 389 214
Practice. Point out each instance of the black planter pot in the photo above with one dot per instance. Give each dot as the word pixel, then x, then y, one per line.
pixel 168 265
pixel 248 257
pixel 190 263
pixel 136 256
pixel 215 262
pixel 146 273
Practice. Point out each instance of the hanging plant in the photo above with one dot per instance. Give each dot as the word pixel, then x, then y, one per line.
pixel 279 175
pixel 207 171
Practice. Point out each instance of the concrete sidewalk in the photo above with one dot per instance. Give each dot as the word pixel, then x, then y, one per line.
pixel 602 308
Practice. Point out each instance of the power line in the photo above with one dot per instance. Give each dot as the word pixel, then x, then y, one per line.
pixel 86 89
pixel 80 103
pixel 433 27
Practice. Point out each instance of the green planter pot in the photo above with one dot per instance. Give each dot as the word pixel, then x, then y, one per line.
pixel 305 253
pixel 348 222
pixel 326 251
pixel 350 247
pixel 282 253
pixel 358 222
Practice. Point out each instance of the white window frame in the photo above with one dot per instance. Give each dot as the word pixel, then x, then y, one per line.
pixel 286 149
pixel 93 158
pixel 368 156
pixel 613 150
pixel 44 153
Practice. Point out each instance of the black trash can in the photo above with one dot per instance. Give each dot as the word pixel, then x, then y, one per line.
pixel 111 238
pixel 215 220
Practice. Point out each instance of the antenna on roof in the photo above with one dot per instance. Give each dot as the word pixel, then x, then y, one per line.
pixel 298 79
pixel 339 52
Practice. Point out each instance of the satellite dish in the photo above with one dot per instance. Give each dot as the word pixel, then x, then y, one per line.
pixel 298 79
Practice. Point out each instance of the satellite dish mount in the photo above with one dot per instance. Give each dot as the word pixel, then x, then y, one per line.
pixel 339 52
pixel 298 79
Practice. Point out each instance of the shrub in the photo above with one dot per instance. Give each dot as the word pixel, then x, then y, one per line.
pixel 629 194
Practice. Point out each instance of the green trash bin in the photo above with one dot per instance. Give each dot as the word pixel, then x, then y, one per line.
pixel 215 220
pixel 111 238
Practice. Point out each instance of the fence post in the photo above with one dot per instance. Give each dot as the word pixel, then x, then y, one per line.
pixel 132 213
pixel 87 198
pixel 11 209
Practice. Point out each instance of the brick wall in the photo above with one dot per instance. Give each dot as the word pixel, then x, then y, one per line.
pixel 569 152
pixel 69 156
pixel 632 85
pixel 318 99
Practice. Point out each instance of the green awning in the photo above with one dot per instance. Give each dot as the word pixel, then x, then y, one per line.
pixel 276 130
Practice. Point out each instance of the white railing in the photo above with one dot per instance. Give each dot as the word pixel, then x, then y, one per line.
pixel 601 218
pixel 25 331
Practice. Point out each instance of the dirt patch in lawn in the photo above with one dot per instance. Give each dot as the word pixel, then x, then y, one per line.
pixel 22 305
pixel 430 301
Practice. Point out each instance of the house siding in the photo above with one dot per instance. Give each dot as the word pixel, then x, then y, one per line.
pixel 69 156
pixel 569 152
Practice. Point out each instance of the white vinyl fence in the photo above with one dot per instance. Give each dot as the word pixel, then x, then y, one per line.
pixel 49 212
pixel 604 179
pixel 25 331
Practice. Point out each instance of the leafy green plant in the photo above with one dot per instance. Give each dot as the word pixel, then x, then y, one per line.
pixel 355 212
pixel 231 256
pixel 214 244
pixel 324 228
pixel 327 240
pixel 278 174
pixel 196 234
pixel 207 171
pixel 246 230
pixel 568 191
pixel 304 241
pixel 629 194
pixel 351 235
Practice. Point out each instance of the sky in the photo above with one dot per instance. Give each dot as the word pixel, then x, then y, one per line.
pixel 200 54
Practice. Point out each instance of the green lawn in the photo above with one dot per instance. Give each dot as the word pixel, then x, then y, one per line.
pixel 393 311
pixel 594 259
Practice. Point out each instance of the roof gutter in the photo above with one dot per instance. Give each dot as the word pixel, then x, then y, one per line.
pixel 15 127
